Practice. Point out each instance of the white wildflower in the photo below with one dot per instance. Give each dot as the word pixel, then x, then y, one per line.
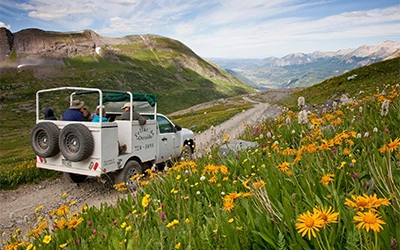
pixel 288 121
pixel 360 109
pixel 358 135
pixel 203 178
pixel 198 192
pixel 293 131
pixel 303 117
pixel 300 102
pixel 269 134
pixel 222 193
pixel 334 105
pixel 261 136
pixel 375 130
pixel 366 134
pixel 385 108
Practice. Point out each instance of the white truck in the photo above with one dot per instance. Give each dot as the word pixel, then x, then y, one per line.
pixel 82 149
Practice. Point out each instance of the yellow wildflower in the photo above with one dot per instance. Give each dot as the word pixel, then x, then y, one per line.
pixel 326 179
pixel 47 239
pixel 308 223
pixel 369 220
pixel 145 201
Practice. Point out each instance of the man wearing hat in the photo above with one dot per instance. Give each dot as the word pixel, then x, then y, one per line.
pixel 75 111
pixel 135 115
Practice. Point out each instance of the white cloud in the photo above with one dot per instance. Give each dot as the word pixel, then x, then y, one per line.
pixel 275 37
pixel 24 6
pixel 4 25
pixel 221 27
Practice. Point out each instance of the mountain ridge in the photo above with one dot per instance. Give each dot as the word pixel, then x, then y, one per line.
pixel 305 69
pixel 371 53
pixel 143 63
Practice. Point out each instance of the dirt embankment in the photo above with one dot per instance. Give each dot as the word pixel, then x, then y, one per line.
pixel 18 206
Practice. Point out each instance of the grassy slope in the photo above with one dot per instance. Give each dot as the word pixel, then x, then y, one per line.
pixel 369 79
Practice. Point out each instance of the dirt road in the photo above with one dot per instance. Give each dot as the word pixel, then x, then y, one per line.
pixel 234 127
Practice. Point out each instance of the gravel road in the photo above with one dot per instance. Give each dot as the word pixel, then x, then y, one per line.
pixel 234 127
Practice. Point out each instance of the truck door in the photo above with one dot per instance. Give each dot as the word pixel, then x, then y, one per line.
pixel 167 144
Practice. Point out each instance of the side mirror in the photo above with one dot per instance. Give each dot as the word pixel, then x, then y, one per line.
pixel 178 128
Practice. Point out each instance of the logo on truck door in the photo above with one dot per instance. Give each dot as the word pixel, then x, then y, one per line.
pixel 144 134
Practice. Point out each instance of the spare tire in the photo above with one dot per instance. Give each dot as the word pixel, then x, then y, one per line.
pixel 76 142
pixel 44 139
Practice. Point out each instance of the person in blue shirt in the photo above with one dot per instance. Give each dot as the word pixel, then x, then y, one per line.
pixel 75 111
pixel 96 118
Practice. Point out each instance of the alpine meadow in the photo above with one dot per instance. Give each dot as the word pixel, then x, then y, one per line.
pixel 325 177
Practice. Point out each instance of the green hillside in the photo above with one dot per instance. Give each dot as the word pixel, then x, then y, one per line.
pixel 373 78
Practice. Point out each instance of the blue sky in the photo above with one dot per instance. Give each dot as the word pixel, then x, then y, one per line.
pixel 220 28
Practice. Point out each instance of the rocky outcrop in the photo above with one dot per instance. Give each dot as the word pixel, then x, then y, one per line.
pixel 39 43
pixel 6 43
pixel 36 43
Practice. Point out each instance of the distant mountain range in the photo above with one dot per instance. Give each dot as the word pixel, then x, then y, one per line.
pixel 301 70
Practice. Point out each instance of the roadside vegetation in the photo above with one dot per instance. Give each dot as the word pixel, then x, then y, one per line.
pixel 322 180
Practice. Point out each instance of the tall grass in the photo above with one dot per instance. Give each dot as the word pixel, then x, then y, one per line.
pixel 329 183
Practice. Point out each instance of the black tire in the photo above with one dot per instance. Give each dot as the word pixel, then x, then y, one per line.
pixel 186 154
pixel 76 142
pixel 44 139
pixel 75 178
pixel 124 175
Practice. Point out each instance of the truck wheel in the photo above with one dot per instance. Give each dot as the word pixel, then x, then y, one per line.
pixel 76 142
pixel 75 178
pixel 186 154
pixel 131 169
pixel 44 139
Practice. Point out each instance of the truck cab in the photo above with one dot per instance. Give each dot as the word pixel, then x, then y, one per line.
pixel 83 148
